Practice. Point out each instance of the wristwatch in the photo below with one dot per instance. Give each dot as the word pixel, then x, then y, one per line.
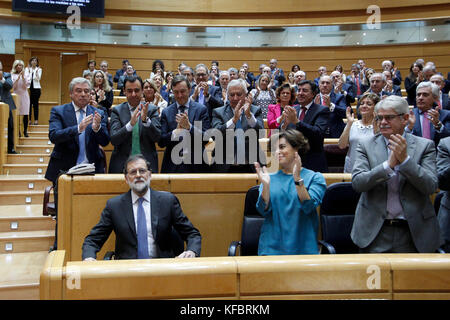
pixel 299 182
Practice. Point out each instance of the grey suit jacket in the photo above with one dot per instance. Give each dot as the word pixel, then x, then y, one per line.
pixel 5 88
pixel 121 139
pixel 443 171
pixel 417 180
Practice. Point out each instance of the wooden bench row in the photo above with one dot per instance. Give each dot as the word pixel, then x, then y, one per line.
pixel 363 276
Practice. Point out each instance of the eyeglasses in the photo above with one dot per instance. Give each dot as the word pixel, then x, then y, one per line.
pixel 388 117
pixel 201 74
pixel 141 171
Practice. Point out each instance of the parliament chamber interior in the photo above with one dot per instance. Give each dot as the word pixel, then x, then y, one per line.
pixel 292 44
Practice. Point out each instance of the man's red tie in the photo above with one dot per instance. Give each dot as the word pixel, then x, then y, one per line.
pixel 302 114
pixel 358 86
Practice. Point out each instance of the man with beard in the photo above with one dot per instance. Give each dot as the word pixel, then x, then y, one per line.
pixel 142 220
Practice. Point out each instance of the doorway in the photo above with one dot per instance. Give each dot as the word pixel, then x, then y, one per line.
pixel 72 65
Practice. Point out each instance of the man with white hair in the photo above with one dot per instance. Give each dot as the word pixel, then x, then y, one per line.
pixel 428 71
pixel 277 73
pixel 443 101
pixel 395 172
pixel 347 89
pixel 322 72
pixel 377 84
pixel 427 120
pixel 388 65
pixel 390 86
pixel 238 113
pixel 202 92
pixel 299 76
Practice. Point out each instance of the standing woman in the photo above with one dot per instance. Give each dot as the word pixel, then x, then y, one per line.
pixel 21 81
pixel 355 130
pixel 285 97
pixel 412 81
pixel 263 95
pixel 288 199
pixel 35 73
pixel 104 95
pixel 152 95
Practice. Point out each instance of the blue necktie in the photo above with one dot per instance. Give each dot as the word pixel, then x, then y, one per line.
pixel 142 233
pixel 81 141
pixel 201 98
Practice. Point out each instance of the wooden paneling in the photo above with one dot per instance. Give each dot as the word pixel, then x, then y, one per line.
pixel 4 114
pixel 249 13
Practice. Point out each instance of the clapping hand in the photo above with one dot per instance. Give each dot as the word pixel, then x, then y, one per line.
pixel 398 146
pixel 263 174
pixel 182 121
pixel 135 115
pixel 297 167
pixel 96 122
pixel 144 111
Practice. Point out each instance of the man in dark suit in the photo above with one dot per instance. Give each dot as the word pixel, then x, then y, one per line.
pixel 443 171
pixel 121 72
pixel 5 96
pixel 427 120
pixel 395 172
pixel 336 103
pixel 183 123
pixel 346 89
pixel 355 79
pixel 390 86
pixel 377 83
pixel 322 72
pixel 104 68
pixel 310 119
pixel 134 128
pixel 128 73
pixel 142 220
pixel 443 101
pixel 203 93
pixel 241 125
pixel 389 65
pixel 277 73
pixel 77 129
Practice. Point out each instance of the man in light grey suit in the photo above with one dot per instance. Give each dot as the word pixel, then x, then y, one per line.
pixel 443 170
pixel 396 174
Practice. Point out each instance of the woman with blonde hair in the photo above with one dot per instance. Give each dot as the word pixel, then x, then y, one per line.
pixel 151 94
pixel 263 95
pixel 21 81
pixel 355 130
pixel 104 95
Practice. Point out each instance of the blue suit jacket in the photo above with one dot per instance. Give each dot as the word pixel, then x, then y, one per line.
pixel 63 132
pixel 213 101
pixel 196 112
pixel 335 123
pixel 444 117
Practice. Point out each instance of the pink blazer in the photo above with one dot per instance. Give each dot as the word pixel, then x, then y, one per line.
pixel 273 112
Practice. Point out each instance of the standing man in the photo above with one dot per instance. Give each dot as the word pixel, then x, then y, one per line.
pixel 128 73
pixel 310 119
pixel 238 113
pixel 5 96
pixel 427 120
pixel 377 84
pixel 347 89
pixel 277 73
pixel 322 72
pixel 104 68
pixel 202 92
pixel 336 103
pixel 143 220
pixel 182 123
pixel 76 129
pixel 396 174
pixel 134 128
pixel 443 102
pixel 443 171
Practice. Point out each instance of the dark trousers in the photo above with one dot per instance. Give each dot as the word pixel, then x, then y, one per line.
pixel 35 94
pixel 10 132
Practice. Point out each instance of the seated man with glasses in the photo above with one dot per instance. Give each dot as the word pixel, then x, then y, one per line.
pixel 142 220
pixel 395 172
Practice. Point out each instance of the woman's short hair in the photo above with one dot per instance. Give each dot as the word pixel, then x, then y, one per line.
pixel 371 96
pixel 295 138
pixel 106 86
pixel 290 88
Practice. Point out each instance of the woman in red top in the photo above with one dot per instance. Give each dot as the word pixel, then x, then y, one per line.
pixel 285 97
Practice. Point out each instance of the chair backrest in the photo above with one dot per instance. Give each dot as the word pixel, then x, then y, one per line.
pixel 335 157
pixel 337 213
pixel 251 229
pixel 250 202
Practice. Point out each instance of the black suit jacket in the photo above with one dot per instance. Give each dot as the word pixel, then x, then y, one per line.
pixel 121 139
pixel 63 132
pixel 314 127
pixel 5 91
pixel 118 217
pixel 213 101
pixel 196 112
pixel 444 117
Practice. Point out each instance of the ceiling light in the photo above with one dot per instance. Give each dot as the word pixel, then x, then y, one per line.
pixel 364 34
pixel 433 29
